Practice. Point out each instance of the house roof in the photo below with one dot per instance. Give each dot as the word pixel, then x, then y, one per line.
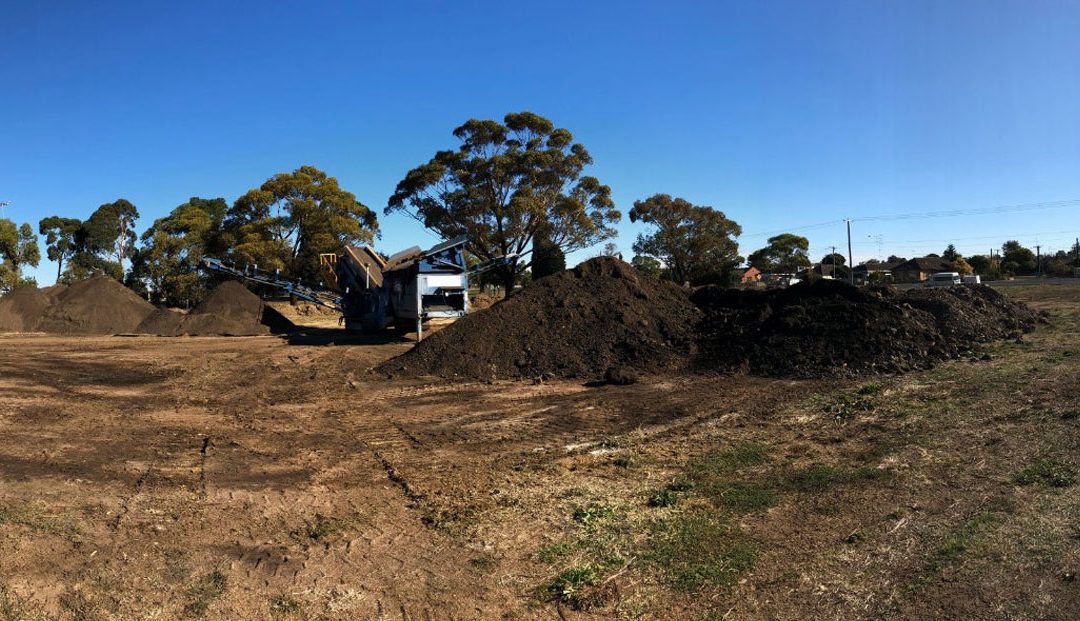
pixel 924 264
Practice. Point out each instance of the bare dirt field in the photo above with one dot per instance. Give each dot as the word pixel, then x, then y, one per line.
pixel 258 478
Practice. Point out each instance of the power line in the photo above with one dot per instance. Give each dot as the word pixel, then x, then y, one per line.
pixel 950 213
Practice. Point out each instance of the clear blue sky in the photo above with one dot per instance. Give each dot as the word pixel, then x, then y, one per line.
pixel 781 114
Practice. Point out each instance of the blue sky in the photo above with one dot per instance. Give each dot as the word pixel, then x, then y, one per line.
pixel 780 114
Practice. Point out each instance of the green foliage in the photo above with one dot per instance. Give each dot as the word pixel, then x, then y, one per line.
pixel 785 253
pixel 18 249
pixel 62 239
pixel 1016 259
pixel 1047 472
pixel 663 498
pixel 950 253
pixel 168 261
pixel 592 513
pixel 696 243
pixel 647 265
pixel 547 257
pixel 699 550
pixel 290 219
pixel 110 230
pixel 834 258
pixel 567 585
pixel 504 183
pixel 85 264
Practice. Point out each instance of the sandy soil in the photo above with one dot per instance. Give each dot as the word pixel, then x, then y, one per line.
pixel 226 478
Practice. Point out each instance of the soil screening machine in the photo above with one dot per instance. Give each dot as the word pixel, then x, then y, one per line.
pixel 372 293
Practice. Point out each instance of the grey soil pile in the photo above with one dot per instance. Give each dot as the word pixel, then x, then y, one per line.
pixel 828 328
pixel 230 310
pixel 98 305
pixel 578 323
pixel 21 309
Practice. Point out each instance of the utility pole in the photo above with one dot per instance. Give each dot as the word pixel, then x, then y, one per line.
pixel 1038 260
pixel 832 260
pixel 851 271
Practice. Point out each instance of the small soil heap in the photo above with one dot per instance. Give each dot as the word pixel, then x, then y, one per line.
pixel 579 323
pixel 102 305
pixel 230 310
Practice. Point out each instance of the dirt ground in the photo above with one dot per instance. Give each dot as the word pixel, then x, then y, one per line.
pixel 263 478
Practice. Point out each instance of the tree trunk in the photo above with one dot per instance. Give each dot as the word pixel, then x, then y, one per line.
pixel 509 275
pixel 59 268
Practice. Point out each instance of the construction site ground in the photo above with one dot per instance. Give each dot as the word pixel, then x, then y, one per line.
pixel 277 478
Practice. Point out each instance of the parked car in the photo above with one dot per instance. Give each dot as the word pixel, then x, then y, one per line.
pixel 943 279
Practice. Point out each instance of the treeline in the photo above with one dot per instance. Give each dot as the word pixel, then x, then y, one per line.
pixel 516 188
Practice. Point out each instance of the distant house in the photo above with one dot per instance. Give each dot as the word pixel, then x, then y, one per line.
pixel 920 269
pixel 863 274
pixel 751 274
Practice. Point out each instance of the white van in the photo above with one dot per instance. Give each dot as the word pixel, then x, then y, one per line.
pixel 972 279
pixel 943 279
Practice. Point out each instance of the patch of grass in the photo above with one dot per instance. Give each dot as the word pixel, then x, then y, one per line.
pixel 745 497
pixel 957 543
pixel 870 388
pixel 284 605
pixel 1047 472
pixel 728 461
pixel 592 513
pixel 553 552
pixel 36 518
pixel 204 592
pixel 819 477
pixel 570 581
pixel 625 461
pixel 856 536
pixel 663 498
pixel 680 484
pixel 699 550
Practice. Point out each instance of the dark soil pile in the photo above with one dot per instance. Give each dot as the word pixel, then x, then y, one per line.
pixel 578 323
pixel 824 328
pixel 230 310
pixel 828 328
pixel 972 314
pixel 98 305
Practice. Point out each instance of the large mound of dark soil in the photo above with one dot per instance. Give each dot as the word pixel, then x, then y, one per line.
pixel 578 323
pixel 828 328
pixel 98 305
pixel 230 310
pixel 604 315
pixel 823 328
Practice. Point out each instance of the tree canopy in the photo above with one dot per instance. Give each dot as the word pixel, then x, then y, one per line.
pixel 696 243
pixel 1016 259
pixel 63 238
pixel 168 261
pixel 292 218
pixel 547 258
pixel 785 253
pixel 111 230
pixel 504 183
pixel 647 265
pixel 18 248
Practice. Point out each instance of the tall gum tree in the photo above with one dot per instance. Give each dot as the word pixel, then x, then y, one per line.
pixel 504 184
pixel 696 243
pixel 292 218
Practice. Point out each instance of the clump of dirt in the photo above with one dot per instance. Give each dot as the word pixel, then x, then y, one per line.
pixel 98 305
pixel 230 310
pixel 823 328
pixel 578 323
